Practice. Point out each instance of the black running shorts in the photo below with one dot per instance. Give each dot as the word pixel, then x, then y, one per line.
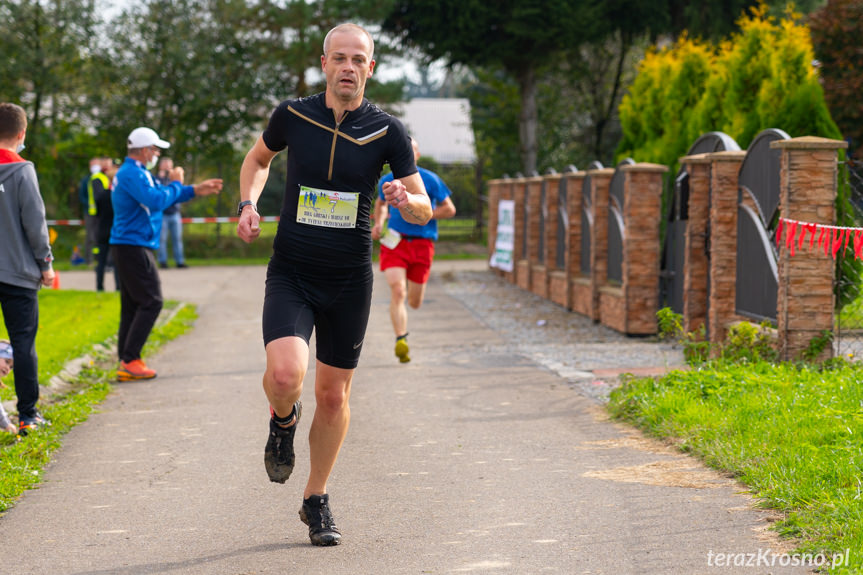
pixel 333 302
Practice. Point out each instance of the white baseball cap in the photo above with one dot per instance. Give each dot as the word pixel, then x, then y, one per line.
pixel 144 137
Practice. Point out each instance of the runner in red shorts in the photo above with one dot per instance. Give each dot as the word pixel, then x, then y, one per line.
pixel 406 255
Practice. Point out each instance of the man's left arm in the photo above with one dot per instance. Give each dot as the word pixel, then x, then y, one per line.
pixel 409 195
pixel 444 209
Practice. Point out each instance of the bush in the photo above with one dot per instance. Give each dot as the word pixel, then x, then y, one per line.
pixel 762 77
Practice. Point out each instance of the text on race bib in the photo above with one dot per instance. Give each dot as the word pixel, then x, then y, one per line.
pixel 327 208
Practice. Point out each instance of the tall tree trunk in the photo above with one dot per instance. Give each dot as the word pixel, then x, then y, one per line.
pixel 527 119
pixel 605 119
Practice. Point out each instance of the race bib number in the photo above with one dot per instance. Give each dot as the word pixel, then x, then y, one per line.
pixel 391 238
pixel 327 209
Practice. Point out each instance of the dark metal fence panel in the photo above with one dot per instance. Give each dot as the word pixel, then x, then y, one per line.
pixel 562 219
pixel 760 173
pixel 677 214
pixel 586 225
pixel 587 219
pixel 757 215
pixel 757 282
pixel 616 226
pixel 673 258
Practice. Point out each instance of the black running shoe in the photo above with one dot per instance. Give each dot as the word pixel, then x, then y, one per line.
pixel 32 423
pixel 316 513
pixel 279 453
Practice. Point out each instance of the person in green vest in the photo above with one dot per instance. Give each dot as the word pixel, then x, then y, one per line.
pixel 99 189
pixel 88 210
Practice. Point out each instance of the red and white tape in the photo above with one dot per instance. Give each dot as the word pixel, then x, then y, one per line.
pixel 206 220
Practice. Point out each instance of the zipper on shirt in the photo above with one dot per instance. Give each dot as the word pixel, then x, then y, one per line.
pixel 333 147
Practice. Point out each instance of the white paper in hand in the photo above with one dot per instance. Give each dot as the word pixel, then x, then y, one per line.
pixel 391 238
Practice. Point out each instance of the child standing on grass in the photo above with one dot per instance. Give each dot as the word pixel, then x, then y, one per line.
pixel 5 367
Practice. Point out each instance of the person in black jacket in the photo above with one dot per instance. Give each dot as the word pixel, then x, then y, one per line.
pixel 105 219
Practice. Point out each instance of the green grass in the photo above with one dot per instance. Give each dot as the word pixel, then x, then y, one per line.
pixel 793 434
pixel 72 324
pixel 218 244
pixel 851 316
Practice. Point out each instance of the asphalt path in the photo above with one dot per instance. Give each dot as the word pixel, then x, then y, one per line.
pixel 469 459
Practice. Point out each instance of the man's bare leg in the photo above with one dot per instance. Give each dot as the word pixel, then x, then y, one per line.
pixel 397 280
pixel 329 425
pixel 329 428
pixel 287 363
pixel 416 294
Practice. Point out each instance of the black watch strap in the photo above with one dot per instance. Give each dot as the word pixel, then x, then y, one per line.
pixel 245 203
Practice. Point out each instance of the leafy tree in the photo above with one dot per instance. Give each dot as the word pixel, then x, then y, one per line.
pixel 713 20
pixel 184 68
pixel 836 31
pixel 289 36
pixel 287 43
pixel 494 114
pixel 520 37
pixel 46 47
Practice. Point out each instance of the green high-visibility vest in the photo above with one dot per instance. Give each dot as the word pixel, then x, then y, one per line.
pixel 91 202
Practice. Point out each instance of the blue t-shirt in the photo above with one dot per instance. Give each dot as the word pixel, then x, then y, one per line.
pixel 437 192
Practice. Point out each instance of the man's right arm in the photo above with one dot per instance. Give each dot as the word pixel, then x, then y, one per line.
pixel 381 214
pixel 253 178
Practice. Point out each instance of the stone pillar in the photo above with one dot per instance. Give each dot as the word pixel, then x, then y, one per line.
pixel 524 269
pixel 519 195
pixel 724 170
pixel 494 190
pixel 507 192
pixel 642 248
pixel 631 307
pixel 696 262
pixel 805 301
pixel 552 209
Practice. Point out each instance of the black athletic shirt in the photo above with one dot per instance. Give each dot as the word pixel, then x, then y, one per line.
pixel 339 157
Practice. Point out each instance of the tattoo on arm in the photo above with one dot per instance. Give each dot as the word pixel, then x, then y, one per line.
pixel 409 210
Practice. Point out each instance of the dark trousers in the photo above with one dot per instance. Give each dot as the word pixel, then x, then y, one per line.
pixel 140 298
pixel 21 316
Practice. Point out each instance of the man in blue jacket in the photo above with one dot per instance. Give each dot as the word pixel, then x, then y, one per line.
pixel 138 203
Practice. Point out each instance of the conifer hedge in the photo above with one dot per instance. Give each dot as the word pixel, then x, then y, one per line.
pixel 761 77
pixel 764 76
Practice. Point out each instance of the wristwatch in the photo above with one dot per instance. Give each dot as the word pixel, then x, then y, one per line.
pixel 245 203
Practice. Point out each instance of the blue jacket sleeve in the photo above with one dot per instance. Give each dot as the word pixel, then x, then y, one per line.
pixel 146 192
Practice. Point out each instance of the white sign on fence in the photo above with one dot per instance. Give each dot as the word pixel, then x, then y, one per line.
pixel 505 241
